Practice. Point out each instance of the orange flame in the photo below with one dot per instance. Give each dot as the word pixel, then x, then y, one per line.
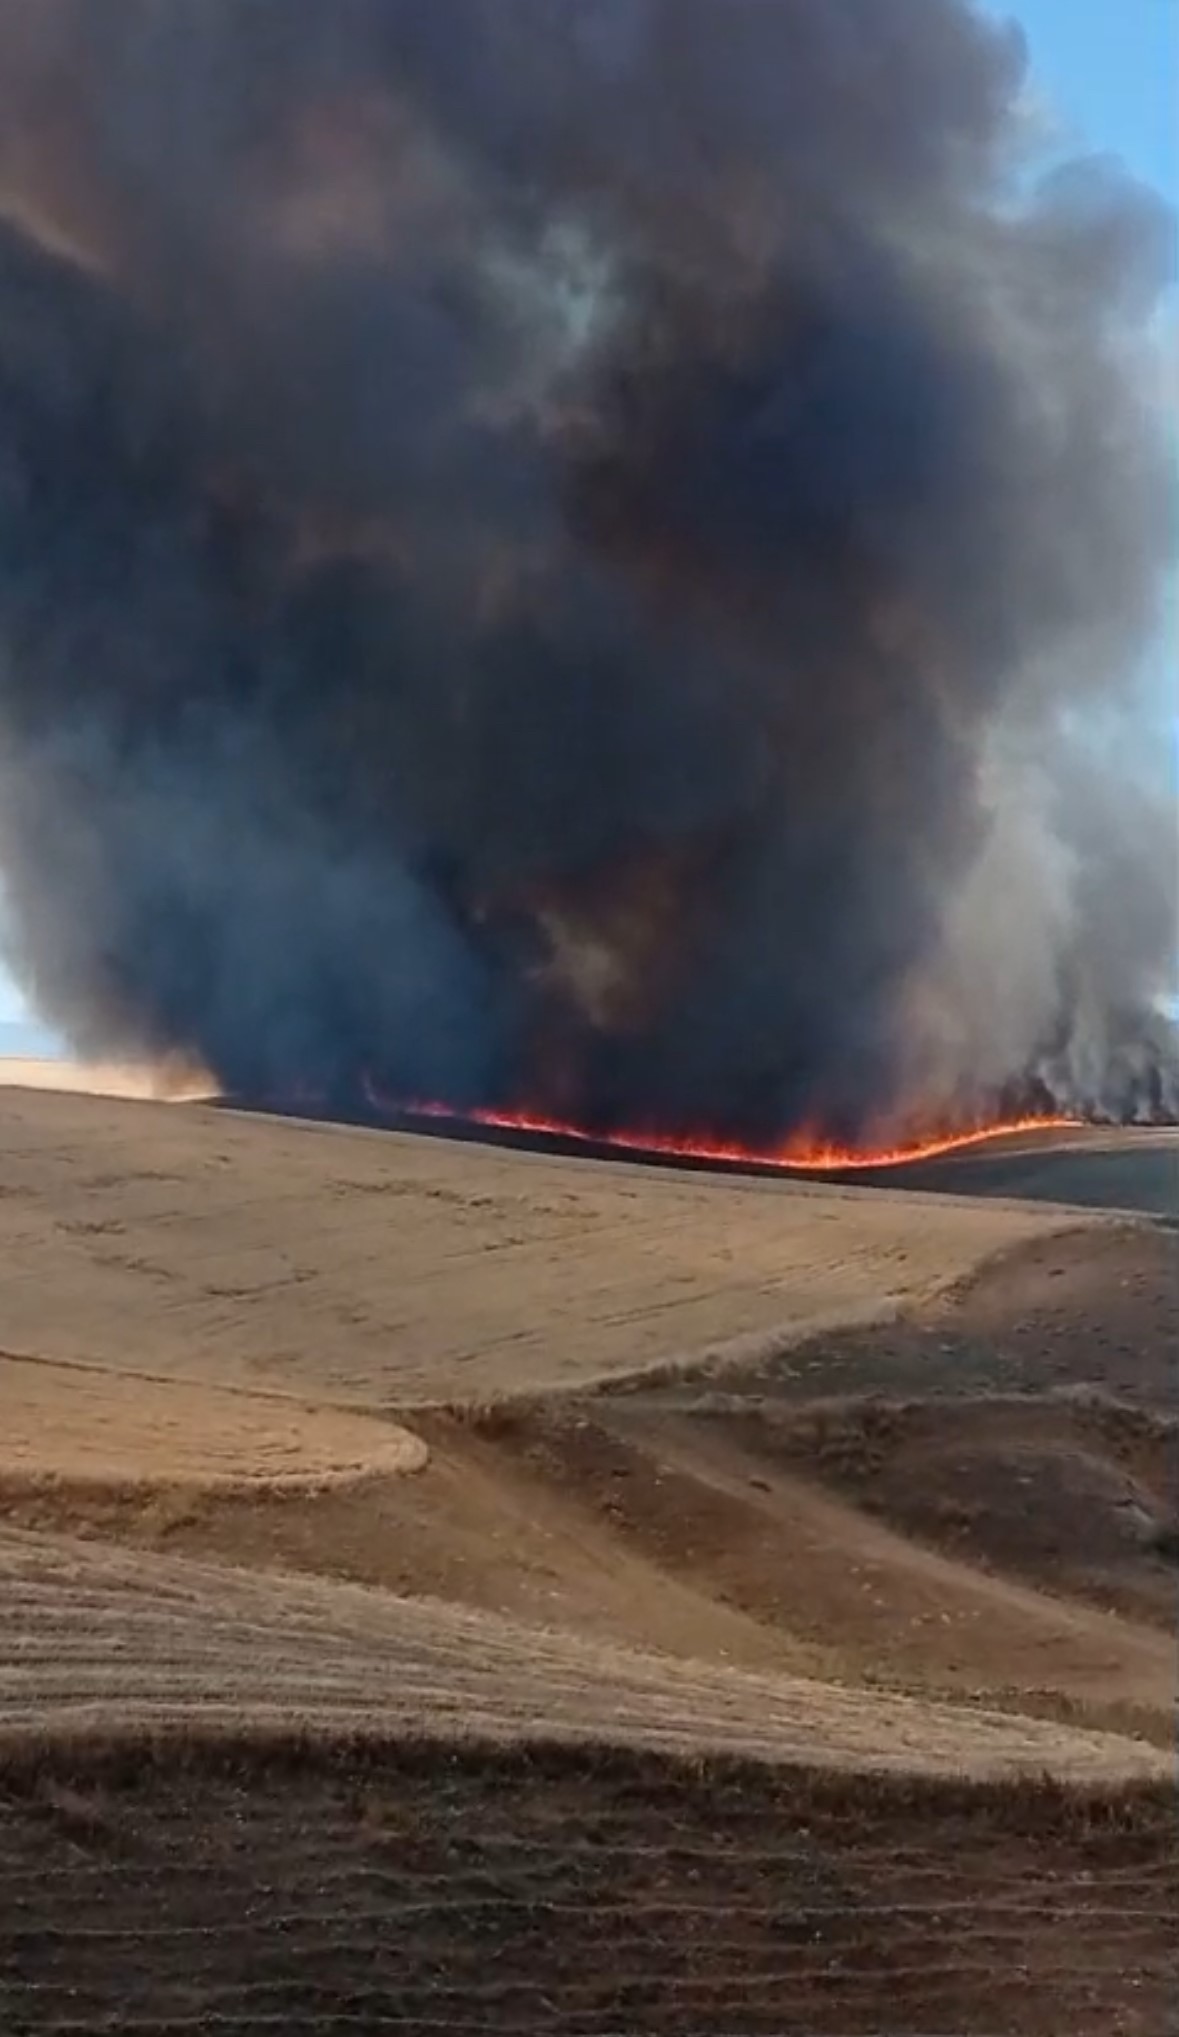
pixel 798 1155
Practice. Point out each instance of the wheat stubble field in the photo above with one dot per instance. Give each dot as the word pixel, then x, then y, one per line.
pixel 454 1590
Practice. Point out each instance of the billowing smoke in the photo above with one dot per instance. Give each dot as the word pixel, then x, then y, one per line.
pixel 582 553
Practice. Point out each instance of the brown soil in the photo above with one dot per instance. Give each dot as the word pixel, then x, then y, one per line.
pixel 663 1510
pixel 1095 1308
pixel 866 1508
pixel 258 1887
pixel 1074 1494
pixel 705 1502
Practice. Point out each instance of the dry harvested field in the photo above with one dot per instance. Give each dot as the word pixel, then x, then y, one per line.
pixel 382 1269
pixel 312 1888
pixel 449 1589
pixel 123 1641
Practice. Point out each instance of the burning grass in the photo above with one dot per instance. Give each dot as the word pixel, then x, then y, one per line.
pixel 801 1153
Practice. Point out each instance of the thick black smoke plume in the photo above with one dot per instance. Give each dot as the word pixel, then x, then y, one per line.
pixel 588 553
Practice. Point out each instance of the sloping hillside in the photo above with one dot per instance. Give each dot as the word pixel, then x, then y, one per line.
pixel 451 1590
pixel 377 1269
pixel 262 1885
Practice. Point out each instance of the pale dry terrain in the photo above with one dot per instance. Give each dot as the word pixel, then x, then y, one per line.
pixel 452 1590
pixel 65 1423
pixel 118 1640
pixel 388 1270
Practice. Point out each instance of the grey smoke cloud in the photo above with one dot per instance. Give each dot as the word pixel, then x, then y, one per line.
pixel 557 554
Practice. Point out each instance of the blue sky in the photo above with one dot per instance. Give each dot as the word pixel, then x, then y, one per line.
pixel 1108 69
